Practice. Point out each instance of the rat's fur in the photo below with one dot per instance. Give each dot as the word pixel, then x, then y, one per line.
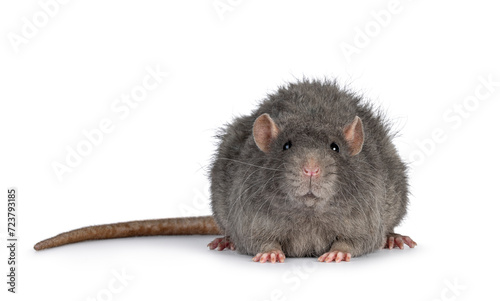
pixel 257 196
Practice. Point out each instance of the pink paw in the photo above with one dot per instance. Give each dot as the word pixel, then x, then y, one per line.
pixel 221 243
pixel 336 256
pixel 398 240
pixel 271 256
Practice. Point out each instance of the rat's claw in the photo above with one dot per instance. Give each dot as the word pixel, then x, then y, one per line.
pixel 399 240
pixel 221 243
pixel 271 256
pixel 336 256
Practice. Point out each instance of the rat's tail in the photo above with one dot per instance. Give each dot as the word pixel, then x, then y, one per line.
pixel 204 225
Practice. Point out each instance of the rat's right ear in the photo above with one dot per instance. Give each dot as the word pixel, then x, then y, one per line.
pixel 264 132
pixel 355 136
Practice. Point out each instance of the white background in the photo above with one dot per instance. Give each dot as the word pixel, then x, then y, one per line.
pixel 421 62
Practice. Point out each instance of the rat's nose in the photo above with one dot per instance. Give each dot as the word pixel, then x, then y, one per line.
pixel 311 170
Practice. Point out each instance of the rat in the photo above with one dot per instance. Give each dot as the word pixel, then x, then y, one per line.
pixel 312 172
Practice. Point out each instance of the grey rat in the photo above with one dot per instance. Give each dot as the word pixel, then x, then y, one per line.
pixel 311 172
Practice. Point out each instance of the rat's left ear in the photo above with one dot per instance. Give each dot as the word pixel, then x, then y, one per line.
pixel 264 132
pixel 355 136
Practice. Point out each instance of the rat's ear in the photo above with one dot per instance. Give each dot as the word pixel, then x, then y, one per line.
pixel 355 136
pixel 264 132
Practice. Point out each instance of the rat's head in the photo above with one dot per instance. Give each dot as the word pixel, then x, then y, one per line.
pixel 305 162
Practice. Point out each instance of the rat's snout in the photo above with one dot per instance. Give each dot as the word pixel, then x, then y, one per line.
pixel 312 178
pixel 311 168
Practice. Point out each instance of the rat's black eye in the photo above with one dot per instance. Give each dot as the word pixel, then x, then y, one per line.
pixel 334 147
pixel 287 145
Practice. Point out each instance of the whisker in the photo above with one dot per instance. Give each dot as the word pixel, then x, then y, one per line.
pixel 241 162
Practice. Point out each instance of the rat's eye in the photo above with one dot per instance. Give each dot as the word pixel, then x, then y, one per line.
pixel 334 147
pixel 287 145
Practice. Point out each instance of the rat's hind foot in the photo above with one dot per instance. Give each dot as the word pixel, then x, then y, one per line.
pixel 271 256
pixel 399 240
pixel 336 256
pixel 221 243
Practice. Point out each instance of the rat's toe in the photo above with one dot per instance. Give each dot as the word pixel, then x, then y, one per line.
pixel 399 240
pixel 409 241
pixel 390 243
pixel 221 243
pixel 336 256
pixel 271 256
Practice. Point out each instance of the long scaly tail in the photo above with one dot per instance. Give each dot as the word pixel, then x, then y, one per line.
pixel 204 225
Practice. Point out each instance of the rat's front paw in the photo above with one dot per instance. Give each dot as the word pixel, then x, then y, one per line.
pixel 338 256
pixel 221 243
pixel 399 240
pixel 272 256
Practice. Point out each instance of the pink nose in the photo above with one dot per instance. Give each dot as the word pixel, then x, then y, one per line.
pixel 311 170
